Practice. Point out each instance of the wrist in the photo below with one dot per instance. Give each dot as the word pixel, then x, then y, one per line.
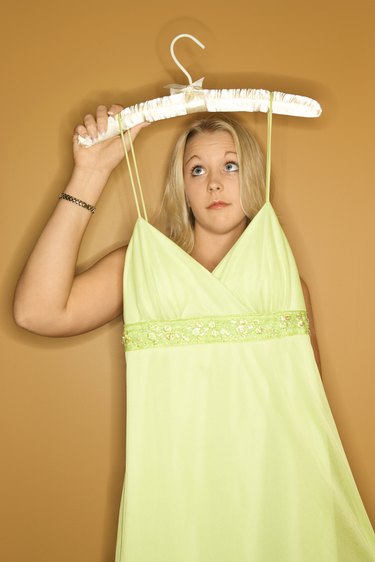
pixel 87 184
pixel 78 202
pixel 88 174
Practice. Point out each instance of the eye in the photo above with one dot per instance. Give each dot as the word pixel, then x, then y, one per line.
pixel 197 171
pixel 231 167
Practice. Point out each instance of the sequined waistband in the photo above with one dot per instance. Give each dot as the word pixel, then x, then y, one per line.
pixel 214 329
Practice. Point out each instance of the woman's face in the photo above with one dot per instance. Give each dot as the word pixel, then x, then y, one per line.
pixel 212 185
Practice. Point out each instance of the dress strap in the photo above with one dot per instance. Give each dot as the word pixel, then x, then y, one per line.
pixel 130 170
pixel 269 138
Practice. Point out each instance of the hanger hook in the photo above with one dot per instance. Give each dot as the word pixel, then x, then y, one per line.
pixel 175 58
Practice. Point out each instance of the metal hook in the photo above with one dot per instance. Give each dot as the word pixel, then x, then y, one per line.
pixel 175 58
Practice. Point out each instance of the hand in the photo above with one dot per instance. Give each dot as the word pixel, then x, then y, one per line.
pixel 106 155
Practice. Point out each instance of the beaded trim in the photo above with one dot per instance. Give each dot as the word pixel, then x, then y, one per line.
pixel 215 329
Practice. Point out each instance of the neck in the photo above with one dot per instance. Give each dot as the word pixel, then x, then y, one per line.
pixel 211 247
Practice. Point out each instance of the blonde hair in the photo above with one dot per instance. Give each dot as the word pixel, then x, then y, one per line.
pixel 177 216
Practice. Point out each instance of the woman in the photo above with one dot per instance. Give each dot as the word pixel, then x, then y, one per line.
pixel 52 300
pixel 231 451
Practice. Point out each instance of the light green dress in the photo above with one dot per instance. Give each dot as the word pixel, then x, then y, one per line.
pixel 232 453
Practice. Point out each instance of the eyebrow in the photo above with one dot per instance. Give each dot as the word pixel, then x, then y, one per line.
pixel 196 156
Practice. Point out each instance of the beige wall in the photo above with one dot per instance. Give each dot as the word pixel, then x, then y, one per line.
pixel 63 400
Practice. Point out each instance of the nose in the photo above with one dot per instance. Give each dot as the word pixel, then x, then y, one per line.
pixel 214 185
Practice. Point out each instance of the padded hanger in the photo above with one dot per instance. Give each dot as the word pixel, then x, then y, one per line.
pixel 194 98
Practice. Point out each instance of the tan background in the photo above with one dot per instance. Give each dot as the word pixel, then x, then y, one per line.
pixel 63 400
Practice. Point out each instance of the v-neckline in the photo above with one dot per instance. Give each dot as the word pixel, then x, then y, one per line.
pixel 249 227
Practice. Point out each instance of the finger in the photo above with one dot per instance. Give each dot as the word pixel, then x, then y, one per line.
pixel 135 130
pixel 115 108
pixel 102 118
pixel 76 138
pixel 81 130
pixel 91 126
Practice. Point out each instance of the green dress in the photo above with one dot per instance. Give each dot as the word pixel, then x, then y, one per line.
pixel 232 453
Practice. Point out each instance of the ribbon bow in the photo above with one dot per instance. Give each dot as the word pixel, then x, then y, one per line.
pixel 179 88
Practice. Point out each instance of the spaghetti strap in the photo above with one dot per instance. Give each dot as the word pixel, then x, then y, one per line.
pixel 269 138
pixel 130 170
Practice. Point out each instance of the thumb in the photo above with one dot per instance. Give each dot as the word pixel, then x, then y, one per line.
pixel 135 130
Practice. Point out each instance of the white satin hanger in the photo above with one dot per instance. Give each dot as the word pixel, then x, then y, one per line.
pixel 194 98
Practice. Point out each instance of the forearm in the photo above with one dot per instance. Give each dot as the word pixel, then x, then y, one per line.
pixel 46 282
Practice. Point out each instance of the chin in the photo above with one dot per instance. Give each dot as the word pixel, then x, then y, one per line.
pixel 222 224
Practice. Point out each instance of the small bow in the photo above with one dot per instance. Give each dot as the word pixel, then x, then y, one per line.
pixel 179 88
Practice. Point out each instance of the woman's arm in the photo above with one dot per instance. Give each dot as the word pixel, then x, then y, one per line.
pixel 50 299
pixel 314 341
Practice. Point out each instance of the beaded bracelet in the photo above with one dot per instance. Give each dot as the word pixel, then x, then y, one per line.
pixel 72 199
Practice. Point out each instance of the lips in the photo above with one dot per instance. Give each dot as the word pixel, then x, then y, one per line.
pixel 218 205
